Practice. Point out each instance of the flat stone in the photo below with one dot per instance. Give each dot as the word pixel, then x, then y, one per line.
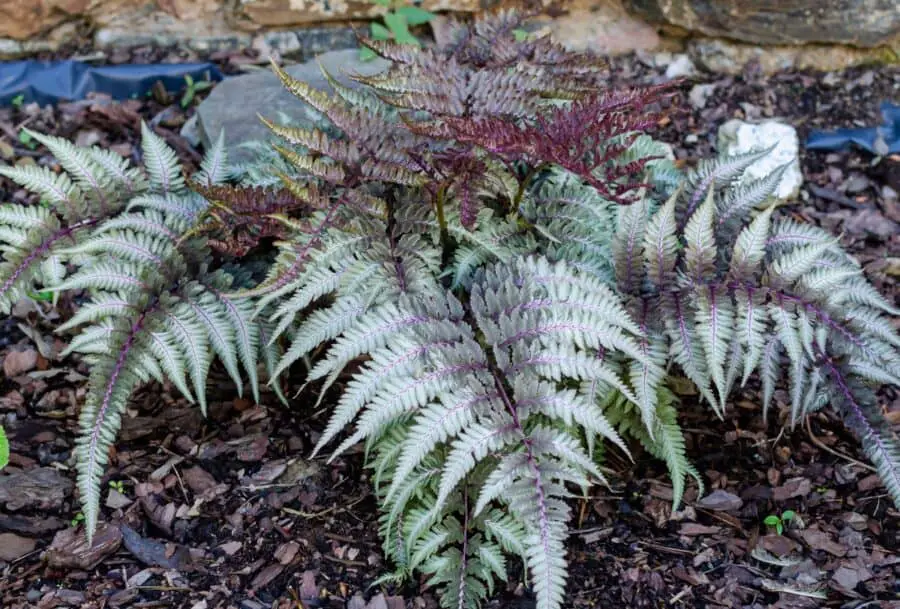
pixel 305 43
pixel 140 25
pixel 604 27
pixel 737 137
pixel 728 57
pixel 233 105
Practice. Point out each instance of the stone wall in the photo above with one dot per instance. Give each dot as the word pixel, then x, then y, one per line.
pixel 721 35
pixel 863 23
pixel 22 20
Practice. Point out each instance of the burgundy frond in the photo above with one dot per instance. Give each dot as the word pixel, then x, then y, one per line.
pixel 240 217
pixel 587 137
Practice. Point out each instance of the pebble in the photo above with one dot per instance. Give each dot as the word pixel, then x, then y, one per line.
pixel 681 67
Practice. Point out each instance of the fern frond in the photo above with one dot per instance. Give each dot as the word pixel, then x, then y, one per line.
pixel 160 162
pixel 214 166
pixel 95 182
pixel 57 189
pixel 112 382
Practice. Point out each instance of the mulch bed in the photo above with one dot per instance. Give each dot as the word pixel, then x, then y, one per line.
pixel 228 512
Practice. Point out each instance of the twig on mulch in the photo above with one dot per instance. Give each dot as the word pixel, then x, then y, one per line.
pixel 828 449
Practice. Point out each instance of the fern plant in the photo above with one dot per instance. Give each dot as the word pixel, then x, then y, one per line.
pixel 722 289
pixel 132 239
pixel 519 269
pixel 495 265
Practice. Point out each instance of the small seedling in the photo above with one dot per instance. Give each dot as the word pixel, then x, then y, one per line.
pixel 118 486
pixel 79 518
pixel 780 523
pixel 192 88
pixel 397 21
pixel 41 296
pixel 27 140
pixel 18 101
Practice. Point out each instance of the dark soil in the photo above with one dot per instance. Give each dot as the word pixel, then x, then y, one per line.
pixel 228 512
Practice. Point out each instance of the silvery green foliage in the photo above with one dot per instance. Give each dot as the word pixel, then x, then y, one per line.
pixel 156 311
pixel 723 288
pixel 519 285
pixel 504 284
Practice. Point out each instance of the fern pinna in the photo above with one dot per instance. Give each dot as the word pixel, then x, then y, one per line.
pixel 157 309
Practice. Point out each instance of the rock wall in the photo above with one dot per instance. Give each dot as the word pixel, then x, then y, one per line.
pixel 24 19
pixel 864 23
pixel 720 35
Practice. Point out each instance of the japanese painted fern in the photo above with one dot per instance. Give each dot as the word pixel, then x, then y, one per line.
pixel 157 309
pixel 507 265
pixel 510 311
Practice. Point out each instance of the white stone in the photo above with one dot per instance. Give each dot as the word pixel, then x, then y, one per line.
pixel 737 137
pixel 285 43
pixel 681 67
pixel 700 94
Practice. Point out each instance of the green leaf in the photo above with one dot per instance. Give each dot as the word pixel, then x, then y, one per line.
pixel 400 29
pixel 4 449
pixel 788 515
pixel 27 139
pixel 415 15
pixel 379 32
pixel 366 54
pixel 41 296
pixel 772 520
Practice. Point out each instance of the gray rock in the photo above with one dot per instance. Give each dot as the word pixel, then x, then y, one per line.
pixel 317 40
pixel 736 137
pixel 283 43
pixel 234 104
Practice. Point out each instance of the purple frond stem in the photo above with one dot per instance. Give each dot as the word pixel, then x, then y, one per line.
pixel 869 433
pixel 543 518
pixel 464 561
pixel 42 249
pixel 119 366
